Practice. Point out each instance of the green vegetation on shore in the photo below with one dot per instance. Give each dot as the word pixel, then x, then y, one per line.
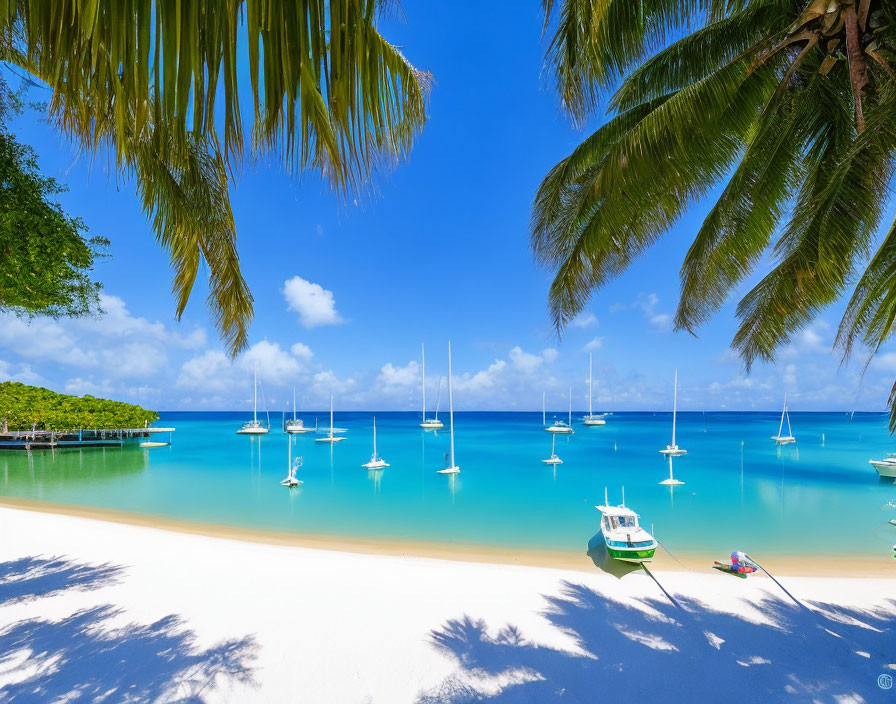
pixel 23 406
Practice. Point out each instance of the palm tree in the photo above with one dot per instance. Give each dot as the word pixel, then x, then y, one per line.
pixel 788 104
pixel 157 85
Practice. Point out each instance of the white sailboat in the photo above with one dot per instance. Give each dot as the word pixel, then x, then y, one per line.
pixel 376 462
pixel 671 481
pixel 428 423
pixel 291 480
pixel 451 466
pixel 780 438
pixel 331 434
pixel 592 419
pixel 544 419
pixel 674 450
pixel 559 426
pixel 253 427
pixel 295 426
pixel 553 459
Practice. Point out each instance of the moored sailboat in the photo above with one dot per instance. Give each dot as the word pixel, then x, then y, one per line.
pixel 450 466
pixel 673 450
pixel 376 462
pixel 780 438
pixel 553 459
pixel 295 426
pixel 253 427
pixel 331 434
pixel 292 467
pixel 559 426
pixel 428 423
pixel 592 419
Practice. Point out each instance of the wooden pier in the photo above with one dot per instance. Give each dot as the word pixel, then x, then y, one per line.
pixel 82 437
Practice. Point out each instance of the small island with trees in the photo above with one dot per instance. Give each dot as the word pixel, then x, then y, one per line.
pixel 32 417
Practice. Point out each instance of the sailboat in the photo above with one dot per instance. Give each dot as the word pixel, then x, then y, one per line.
pixel 592 419
pixel 428 423
pixel 291 480
pixel 671 481
pixel 553 459
pixel 450 466
pixel 674 450
pixel 331 435
pixel 376 462
pixel 253 427
pixel 559 426
pixel 780 438
pixel 625 539
pixel 296 426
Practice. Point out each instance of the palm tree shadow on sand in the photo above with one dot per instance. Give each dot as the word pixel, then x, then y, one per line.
pixel 91 656
pixel 650 650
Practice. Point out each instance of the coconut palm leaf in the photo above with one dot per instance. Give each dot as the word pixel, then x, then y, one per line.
pixel 787 105
pixel 329 93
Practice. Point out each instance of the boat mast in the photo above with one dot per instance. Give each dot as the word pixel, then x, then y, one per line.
pixel 450 406
pixel 590 381
pixel 674 407
pixel 423 369
pixel 439 397
pixel 553 444
pixel 293 404
pixel 783 411
pixel 374 437
pixel 331 415
pixel 255 397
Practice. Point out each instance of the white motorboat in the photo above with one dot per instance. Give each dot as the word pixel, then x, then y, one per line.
pixel 559 426
pixel 885 467
pixel 623 535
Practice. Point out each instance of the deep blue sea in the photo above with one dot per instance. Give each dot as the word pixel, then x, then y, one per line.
pixel 741 491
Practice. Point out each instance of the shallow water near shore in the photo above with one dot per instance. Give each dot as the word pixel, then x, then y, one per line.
pixel 817 497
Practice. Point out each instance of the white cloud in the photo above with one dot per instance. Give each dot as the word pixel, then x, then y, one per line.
pixel 583 320
pixel 273 361
pixel 391 376
pixel 301 351
pixel 209 372
pixel 549 355
pixel 315 305
pixel 594 344
pixel 481 380
pixel 885 362
pixel 524 361
pixel 23 373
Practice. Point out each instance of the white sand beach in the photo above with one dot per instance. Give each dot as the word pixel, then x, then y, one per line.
pixel 96 611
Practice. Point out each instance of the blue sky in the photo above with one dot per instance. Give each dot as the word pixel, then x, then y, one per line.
pixel 437 250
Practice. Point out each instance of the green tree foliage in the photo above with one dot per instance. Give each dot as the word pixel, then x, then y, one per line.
pixel 24 406
pixel 157 84
pixel 45 260
pixel 789 104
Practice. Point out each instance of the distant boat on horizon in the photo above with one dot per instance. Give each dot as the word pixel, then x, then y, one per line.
pixel 253 427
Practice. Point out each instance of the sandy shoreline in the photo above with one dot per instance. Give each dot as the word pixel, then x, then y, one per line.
pixel 790 565
pixel 94 610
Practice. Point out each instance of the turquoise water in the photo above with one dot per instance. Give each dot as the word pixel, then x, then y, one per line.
pixel 741 490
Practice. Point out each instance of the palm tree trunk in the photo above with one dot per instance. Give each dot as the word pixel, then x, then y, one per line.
pixel 858 67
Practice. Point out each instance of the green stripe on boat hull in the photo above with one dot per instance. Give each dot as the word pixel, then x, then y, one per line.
pixel 631 555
